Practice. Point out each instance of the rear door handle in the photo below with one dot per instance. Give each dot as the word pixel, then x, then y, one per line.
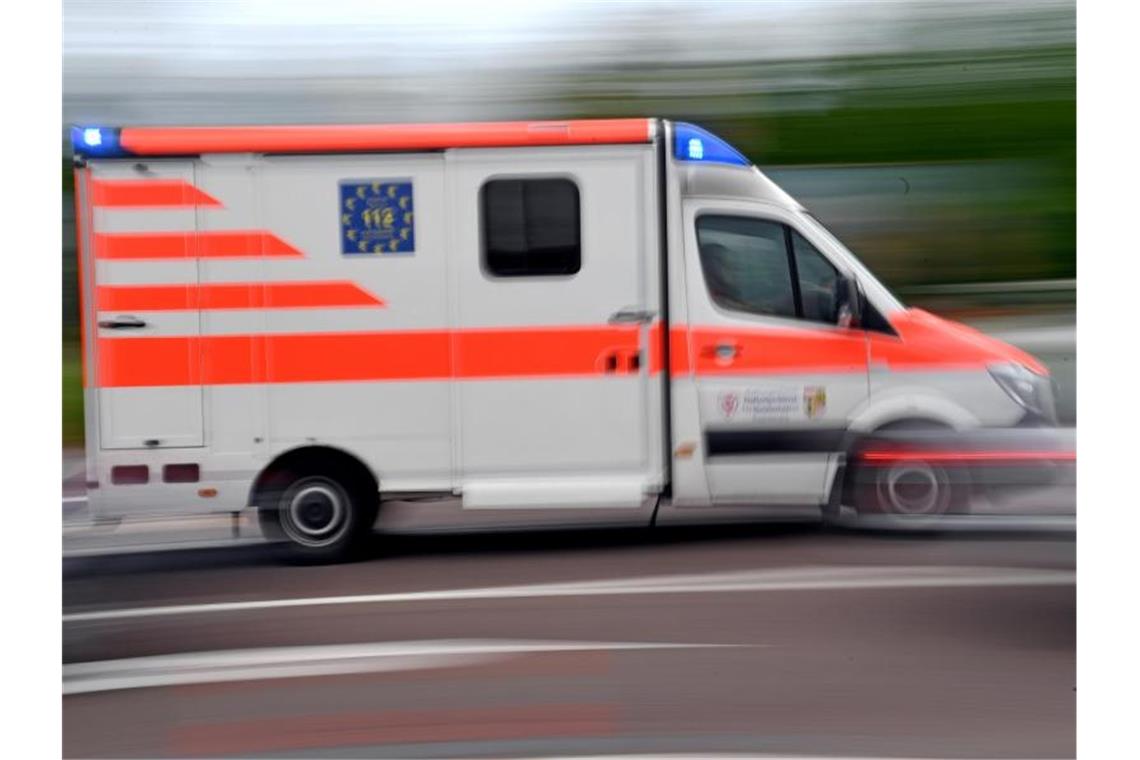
pixel 122 323
pixel 632 316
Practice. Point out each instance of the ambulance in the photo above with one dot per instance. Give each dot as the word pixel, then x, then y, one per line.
pixel 500 326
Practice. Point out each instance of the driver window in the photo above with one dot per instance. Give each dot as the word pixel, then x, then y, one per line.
pixel 745 263
pixel 817 281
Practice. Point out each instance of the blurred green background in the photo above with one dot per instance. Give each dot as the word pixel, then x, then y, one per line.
pixel 937 139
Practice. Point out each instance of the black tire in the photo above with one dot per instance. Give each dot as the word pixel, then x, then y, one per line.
pixel 317 517
pixel 909 491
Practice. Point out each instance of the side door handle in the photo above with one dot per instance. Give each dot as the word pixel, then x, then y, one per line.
pixel 126 322
pixel 629 316
pixel 721 351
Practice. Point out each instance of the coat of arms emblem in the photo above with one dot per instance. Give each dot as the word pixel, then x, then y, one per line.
pixel 815 401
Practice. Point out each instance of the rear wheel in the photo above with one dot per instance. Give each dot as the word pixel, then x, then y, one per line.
pixel 317 517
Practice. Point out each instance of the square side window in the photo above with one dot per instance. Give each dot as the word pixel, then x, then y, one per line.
pixel 531 227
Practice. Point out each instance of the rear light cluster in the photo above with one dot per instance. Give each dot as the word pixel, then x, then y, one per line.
pixel 139 474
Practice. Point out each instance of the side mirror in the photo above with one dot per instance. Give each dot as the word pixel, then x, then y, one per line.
pixel 848 313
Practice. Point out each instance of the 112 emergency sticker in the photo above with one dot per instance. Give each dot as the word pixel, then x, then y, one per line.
pixel 377 217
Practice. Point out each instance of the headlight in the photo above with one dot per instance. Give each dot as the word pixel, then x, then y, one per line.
pixel 1023 386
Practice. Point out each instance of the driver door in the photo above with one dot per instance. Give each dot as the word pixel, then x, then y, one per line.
pixel 777 379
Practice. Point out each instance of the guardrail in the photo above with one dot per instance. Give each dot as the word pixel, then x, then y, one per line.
pixel 993 288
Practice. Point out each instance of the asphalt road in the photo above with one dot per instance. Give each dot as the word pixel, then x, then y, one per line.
pixel 758 641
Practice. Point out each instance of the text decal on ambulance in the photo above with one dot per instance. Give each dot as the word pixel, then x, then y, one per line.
pixel 377 216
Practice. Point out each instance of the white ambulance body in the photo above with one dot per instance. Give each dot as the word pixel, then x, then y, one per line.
pixel 492 325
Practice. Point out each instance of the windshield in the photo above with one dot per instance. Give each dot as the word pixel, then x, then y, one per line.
pixel 870 282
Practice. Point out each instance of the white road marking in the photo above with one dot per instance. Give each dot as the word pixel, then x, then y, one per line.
pixel 126 550
pixel 727 756
pixel 960 523
pixel 294 662
pixel 828 578
pixel 73 499
pixel 178 527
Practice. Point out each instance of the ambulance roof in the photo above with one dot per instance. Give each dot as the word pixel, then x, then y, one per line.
pixel 352 138
pixel 690 143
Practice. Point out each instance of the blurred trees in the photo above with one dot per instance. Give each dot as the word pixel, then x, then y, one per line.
pixel 980 101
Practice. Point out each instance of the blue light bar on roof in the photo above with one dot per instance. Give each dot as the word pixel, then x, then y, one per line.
pixel 691 143
pixel 97 142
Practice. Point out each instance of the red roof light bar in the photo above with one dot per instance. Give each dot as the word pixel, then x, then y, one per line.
pixel 165 141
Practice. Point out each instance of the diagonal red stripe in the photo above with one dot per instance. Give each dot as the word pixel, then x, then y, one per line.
pixel 190 245
pixel 148 193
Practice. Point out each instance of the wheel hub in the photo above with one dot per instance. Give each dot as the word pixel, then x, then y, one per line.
pixel 316 510
pixel 912 489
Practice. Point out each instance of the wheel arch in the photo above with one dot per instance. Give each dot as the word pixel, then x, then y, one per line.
pixel 898 416
pixel 313 459
pixel 878 414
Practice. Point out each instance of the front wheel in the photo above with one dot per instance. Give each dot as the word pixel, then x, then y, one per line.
pixel 909 490
pixel 317 518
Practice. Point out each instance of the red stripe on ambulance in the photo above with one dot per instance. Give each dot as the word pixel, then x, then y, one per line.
pixel 237 295
pixel 81 192
pixel 148 193
pixel 776 351
pixel 565 351
pixel 329 357
pixel 190 245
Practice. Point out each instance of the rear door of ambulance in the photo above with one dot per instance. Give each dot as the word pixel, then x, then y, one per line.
pixel 554 298
pixel 144 258
pixel 142 357
pixel 142 253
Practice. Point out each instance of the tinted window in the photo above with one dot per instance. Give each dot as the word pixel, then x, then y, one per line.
pixel 745 263
pixel 817 281
pixel 531 227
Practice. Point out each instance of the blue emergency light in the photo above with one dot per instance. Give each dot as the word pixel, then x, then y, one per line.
pixel 102 142
pixel 691 143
